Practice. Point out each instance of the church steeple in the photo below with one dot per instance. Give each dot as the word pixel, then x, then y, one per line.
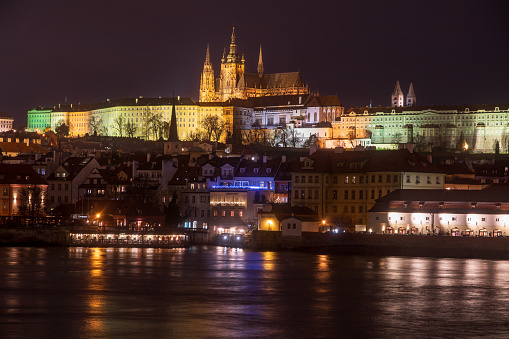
pixel 397 96
pixel 411 99
pixel 173 137
pixel 260 63
pixel 207 57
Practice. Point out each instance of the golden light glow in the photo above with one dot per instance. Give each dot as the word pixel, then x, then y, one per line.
pixel 98 215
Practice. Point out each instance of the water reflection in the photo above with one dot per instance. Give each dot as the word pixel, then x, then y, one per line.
pixel 224 292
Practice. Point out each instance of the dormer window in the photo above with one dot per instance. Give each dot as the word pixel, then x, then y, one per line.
pixel 242 170
pixel 268 170
pixel 255 170
pixel 308 164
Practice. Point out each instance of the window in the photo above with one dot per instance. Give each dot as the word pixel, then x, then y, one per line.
pixel 372 194
pixel 377 218
pixel 289 226
pixel 6 191
pixel 361 179
pixel 361 195
pixel 483 219
pixel 352 209
pixel 296 179
pixel 202 213
pixel 346 180
pixel 316 194
pixel 395 178
pixel 453 218
pixel 334 208
pixel 59 187
pixel 296 194
pixel 427 218
pixel 417 179
pixel 380 178
pixel 232 213
pixel 428 180
pixel 379 193
pixel 316 179
pixel 438 180
pixel 240 214
pixel 353 195
pixel 223 213
pixel 310 179
pixel 407 179
pixel 388 178
pixel 294 226
pixel 372 178
pixel 361 209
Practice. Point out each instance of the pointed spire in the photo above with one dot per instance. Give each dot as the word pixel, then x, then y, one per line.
pixel 232 56
pixel 260 63
pixel 207 58
pixel 173 123
pixel 411 99
pixel 411 90
pixel 397 89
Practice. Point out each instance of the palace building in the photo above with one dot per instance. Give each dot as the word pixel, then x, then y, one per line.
pixel 234 82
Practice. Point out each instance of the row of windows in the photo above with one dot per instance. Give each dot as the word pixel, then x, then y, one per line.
pixel 418 180
pixel 389 178
pixel 59 187
pixel 232 213
pixel 347 195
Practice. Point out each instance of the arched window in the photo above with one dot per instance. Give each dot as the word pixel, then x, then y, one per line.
pixel 316 117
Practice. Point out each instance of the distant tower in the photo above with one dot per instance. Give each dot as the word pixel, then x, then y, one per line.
pixel 232 69
pixel 397 98
pixel 410 97
pixel 260 63
pixel 207 90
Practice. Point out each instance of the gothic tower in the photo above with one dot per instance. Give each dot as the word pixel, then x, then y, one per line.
pixel 260 63
pixel 410 97
pixel 232 68
pixel 397 98
pixel 207 90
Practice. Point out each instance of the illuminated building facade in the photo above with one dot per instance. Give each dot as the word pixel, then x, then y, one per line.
pixel 6 122
pixel 339 185
pixel 112 116
pixel 468 127
pixel 13 177
pixel 234 82
pixel 457 213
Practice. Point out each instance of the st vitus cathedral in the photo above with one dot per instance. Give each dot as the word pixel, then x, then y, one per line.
pixel 234 82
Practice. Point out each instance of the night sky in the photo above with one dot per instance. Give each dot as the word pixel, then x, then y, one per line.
pixel 454 52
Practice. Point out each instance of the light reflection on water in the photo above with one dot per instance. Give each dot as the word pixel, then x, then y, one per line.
pixel 223 292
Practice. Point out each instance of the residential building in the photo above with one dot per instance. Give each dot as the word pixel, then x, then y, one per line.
pixel 342 186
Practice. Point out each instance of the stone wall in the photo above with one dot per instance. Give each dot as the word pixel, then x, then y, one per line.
pixel 31 237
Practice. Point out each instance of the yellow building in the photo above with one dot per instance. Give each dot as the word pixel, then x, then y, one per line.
pixel 343 186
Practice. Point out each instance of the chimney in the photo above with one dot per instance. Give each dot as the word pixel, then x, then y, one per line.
pixel 283 159
pixel 148 157
pixel 264 159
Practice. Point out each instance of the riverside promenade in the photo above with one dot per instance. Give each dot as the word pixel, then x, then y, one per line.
pixel 387 245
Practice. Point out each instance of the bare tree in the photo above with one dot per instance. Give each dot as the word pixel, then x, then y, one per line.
pixel 294 137
pixel 95 125
pixel 119 126
pixel 213 127
pixel 130 129
pixel 396 138
pixel 62 128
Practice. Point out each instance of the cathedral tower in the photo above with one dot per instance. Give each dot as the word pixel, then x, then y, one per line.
pixel 397 98
pixel 260 63
pixel 410 97
pixel 207 88
pixel 232 68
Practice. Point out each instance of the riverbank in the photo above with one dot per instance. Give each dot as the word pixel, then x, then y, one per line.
pixel 407 245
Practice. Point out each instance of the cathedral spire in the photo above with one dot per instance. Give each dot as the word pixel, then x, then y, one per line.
pixel 232 56
pixel 260 63
pixel 207 57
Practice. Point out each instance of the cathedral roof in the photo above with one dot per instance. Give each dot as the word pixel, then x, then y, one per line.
pixel 281 100
pixel 278 80
pixel 325 100
pixel 419 109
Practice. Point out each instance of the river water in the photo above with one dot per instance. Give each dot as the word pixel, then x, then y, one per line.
pixel 216 292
